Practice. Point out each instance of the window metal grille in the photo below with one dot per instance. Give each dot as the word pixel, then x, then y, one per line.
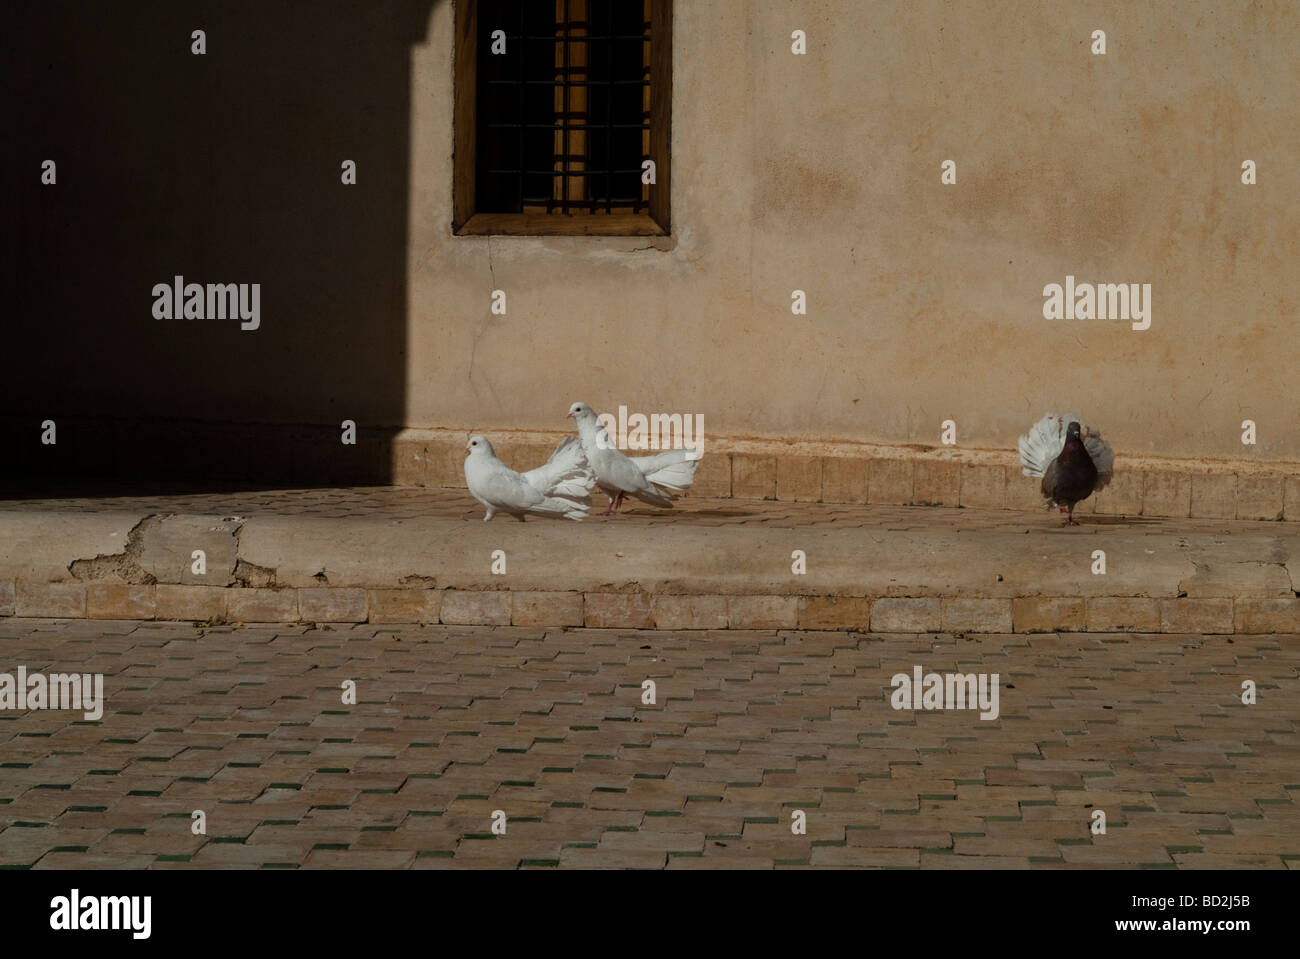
pixel 563 118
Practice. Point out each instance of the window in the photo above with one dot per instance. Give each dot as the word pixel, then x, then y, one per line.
pixel 562 115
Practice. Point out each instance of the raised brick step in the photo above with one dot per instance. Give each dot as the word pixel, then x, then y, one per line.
pixel 424 556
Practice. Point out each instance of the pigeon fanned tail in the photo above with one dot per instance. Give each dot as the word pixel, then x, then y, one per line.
pixel 654 496
pixel 566 474
pixel 561 506
pixel 1042 444
pixel 1102 455
pixel 673 471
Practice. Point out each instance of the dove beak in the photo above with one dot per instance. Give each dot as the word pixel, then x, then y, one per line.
pixel 569 415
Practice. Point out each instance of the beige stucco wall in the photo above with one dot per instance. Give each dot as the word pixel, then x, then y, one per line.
pixel 822 173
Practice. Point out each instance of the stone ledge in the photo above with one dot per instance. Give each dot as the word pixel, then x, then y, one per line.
pixel 563 609
pixel 709 565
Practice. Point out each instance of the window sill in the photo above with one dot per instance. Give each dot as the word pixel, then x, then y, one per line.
pixel 543 224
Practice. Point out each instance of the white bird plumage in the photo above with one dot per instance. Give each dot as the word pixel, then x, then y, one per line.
pixel 656 480
pixel 1046 439
pixel 561 487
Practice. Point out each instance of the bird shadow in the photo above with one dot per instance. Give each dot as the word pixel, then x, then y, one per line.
pixel 1094 520
pixel 674 514
pixel 1122 521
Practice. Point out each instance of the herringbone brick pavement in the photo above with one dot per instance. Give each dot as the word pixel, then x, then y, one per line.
pixel 453 724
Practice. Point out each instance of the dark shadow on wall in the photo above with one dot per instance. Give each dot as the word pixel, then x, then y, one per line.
pixel 223 168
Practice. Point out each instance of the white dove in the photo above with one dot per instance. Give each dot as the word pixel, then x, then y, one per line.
pixel 652 479
pixel 561 487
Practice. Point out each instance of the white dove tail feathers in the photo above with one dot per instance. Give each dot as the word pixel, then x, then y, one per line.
pixel 567 474
pixel 654 496
pixel 565 480
pixel 673 471
pixel 563 506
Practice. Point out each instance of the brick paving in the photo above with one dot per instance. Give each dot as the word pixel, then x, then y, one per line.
pixel 454 723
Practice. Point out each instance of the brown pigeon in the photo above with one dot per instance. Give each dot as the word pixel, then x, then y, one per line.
pixel 1073 463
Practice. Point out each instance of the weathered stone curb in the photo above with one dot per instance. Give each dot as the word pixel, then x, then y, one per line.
pixel 303 568
pixel 641 611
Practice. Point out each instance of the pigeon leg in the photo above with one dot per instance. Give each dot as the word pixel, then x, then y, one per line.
pixel 490 513
pixel 618 503
pixel 1069 519
pixel 610 508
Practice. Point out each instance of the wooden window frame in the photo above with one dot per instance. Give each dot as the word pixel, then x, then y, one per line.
pixel 466 221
